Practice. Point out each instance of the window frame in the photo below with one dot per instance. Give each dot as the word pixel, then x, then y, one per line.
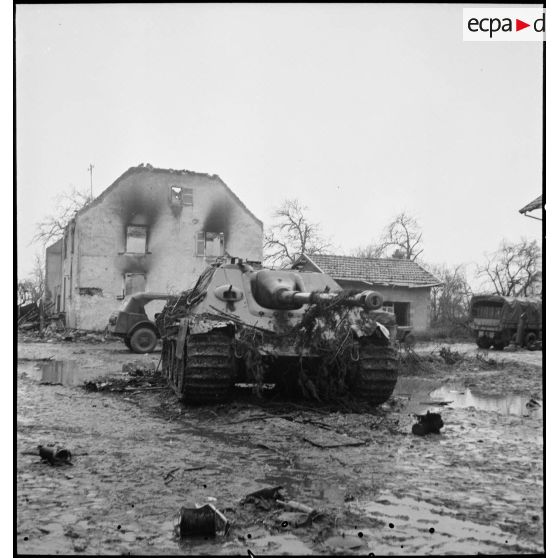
pixel 145 229
pixel 181 195
pixel 201 238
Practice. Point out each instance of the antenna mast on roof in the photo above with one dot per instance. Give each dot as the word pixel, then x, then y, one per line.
pixel 90 169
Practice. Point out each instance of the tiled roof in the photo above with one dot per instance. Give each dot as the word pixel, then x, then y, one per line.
pixel 378 271
pixel 535 204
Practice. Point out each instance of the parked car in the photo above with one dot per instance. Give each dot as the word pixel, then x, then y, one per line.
pixel 132 324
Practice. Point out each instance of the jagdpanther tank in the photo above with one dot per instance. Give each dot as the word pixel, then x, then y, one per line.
pixel 297 330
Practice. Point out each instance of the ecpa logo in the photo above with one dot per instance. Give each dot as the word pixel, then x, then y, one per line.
pixel 503 24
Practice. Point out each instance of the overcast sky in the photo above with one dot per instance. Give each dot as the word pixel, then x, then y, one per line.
pixel 359 111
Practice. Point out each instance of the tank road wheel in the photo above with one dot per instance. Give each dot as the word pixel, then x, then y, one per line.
pixel 376 372
pixel 143 340
pixel 484 342
pixel 209 373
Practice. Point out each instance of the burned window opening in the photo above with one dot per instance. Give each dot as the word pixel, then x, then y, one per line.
pixel 181 196
pixel 136 239
pixel 210 244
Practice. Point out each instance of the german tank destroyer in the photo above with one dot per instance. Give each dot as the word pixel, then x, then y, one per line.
pixel 242 324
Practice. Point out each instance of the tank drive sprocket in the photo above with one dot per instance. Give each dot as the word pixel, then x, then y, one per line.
pixel 208 375
pixel 375 374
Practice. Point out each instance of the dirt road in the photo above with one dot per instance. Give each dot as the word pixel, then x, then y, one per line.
pixel 139 456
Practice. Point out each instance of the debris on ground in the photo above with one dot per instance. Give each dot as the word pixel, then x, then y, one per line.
pixel 138 368
pixel 297 514
pixel 55 456
pixel 449 356
pixel 204 520
pixel 414 364
pixel 56 331
pixel 486 361
pixel 28 316
pixel 139 376
pixel 264 494
pixel 344 542
pixel 291 504
pixel 430 423
pixel 436 403
pixel 329 439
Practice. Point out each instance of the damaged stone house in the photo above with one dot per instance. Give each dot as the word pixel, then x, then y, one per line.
pixel 404 284
pixel 152 229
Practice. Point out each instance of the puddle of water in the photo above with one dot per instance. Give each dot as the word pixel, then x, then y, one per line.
pixel 62 372
pixel 418 527
pixel 519 405
pixel 422 393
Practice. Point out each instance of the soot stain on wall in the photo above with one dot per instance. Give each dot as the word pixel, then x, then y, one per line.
pixel 138 206
pixel 219 217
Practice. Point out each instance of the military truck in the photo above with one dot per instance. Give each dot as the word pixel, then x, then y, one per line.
pixel 500 320
pixel 239 324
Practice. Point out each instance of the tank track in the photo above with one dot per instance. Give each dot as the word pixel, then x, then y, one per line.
pixel 208 374
pixel 376 373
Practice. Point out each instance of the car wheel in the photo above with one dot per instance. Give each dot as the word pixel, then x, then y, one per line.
pixel 530 340
pixel 484 342
pixel 143 340
pixel 499 345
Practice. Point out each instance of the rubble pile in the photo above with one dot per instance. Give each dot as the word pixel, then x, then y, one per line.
pixel 137 375
pixel 55 331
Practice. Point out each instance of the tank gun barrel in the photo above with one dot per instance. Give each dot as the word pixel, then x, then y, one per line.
pixel 367 299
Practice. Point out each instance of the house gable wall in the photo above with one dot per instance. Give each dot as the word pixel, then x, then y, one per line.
pixel 170 264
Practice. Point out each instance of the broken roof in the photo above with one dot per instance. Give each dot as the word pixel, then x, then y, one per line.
pixel 378 271
pixel 149 168
pixel 535 204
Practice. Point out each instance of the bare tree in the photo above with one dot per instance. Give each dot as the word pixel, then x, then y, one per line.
pixel 401 239
pixel 404 235
pixel 514 269
pixel 51 228
pixel 369 251
pixel 449 302
pixel 291 235
pixel 31 289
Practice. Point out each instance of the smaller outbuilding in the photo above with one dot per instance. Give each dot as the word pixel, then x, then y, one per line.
pixel 404 284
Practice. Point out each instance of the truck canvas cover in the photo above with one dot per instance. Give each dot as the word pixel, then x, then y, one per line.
pixel 513 308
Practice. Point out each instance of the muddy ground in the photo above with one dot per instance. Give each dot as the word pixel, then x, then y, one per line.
pixel 138 456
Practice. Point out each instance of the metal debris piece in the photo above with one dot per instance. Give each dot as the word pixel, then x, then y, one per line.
pixel 293 520
pixel 291 504
pixel 329 439
pixel 264 494
pixel 430 423
pixel 55 456
pixel 205 520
